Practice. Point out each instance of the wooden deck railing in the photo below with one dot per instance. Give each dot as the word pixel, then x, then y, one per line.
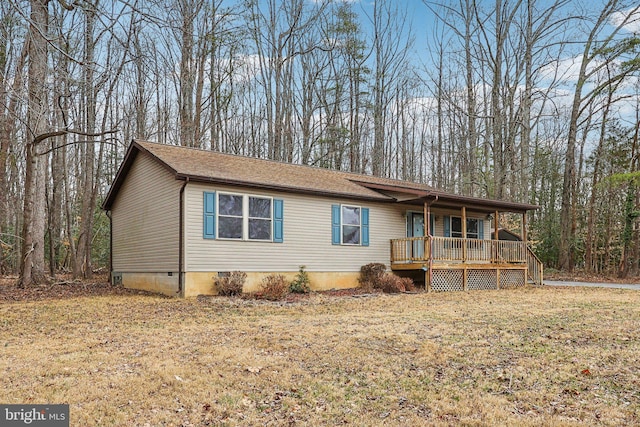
pixel 452 249
pixel 535 268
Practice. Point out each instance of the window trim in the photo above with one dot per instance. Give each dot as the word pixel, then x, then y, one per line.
pixel 249 218
pixel 220 215
pixel 343 224
pixel 245 216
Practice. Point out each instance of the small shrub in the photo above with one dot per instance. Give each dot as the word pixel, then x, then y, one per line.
pixel 409 285
pixel 274 287
pixel 230 285
pixel 392 284
pixel 371 274
pixel 301 284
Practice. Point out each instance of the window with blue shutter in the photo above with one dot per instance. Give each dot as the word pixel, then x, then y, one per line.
pixel 447 226
pixel 228 216
pixel 481 229
pixel 278 220
pixel 432 225
pixel 209 214
pixel 349 225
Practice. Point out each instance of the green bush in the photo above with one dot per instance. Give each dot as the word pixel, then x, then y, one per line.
pixel 301 284
pixel 230 285
pixel 274 287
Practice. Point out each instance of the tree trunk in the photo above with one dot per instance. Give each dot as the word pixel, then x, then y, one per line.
pixel 82 267
pixel 32 262
pixel 7 136
pixel 187 74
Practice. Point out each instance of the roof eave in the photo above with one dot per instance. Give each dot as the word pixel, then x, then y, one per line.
pixel 488 204
pixel 452 200
pixel 295 190
pixel 375 186
pixel 129 157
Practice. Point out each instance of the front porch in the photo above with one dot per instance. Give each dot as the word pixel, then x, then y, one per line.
pixel 453 242
pixel 451 264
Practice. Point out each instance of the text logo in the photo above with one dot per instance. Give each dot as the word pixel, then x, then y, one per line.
pixel 34 415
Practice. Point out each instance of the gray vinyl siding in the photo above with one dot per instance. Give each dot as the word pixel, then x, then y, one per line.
pixel 145 219
pixel 307 236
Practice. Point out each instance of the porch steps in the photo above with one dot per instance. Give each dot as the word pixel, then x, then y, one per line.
pixel 535 268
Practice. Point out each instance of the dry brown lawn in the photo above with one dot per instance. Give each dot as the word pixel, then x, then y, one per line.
pixel 521 357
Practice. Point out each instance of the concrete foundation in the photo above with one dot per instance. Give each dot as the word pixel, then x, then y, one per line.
pixel 162 283
pixel 201 283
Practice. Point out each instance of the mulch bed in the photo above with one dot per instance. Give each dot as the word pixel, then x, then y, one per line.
pixel 67 288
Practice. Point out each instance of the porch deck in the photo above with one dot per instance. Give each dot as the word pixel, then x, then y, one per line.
pixel 411 250
pixel 460 264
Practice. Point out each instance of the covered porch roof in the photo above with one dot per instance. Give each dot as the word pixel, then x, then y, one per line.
pixel 440 199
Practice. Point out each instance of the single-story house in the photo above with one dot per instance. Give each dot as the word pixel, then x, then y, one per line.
pixel 181 217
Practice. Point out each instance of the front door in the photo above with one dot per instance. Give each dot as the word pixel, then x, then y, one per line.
pixel 415 228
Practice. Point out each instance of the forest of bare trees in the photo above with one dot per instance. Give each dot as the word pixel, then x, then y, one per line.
pixel 521 100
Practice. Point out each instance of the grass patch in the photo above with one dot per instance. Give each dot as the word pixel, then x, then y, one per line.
pixel 549 356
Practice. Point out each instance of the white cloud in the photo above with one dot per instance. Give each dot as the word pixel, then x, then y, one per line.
pixel 567 69
pixel 248 67
pixel 631 15
pixel 564 68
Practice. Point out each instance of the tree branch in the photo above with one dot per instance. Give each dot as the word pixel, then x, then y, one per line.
pixel 38 139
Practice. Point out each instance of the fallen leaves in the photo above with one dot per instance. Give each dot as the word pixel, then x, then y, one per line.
pixel 529 356
pixel 61 290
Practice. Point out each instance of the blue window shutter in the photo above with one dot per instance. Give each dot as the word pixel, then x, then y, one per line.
pixel 447 225
pixel 432 225
pixel 481 229
pixel 335 224
pixel 209 213
pixel 365 226
pixel 278 220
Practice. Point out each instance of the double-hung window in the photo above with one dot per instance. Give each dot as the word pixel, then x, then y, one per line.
pixel 473 228
pixel 350 225
pixel 230 216
pixel 242 217
pixel 260 215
